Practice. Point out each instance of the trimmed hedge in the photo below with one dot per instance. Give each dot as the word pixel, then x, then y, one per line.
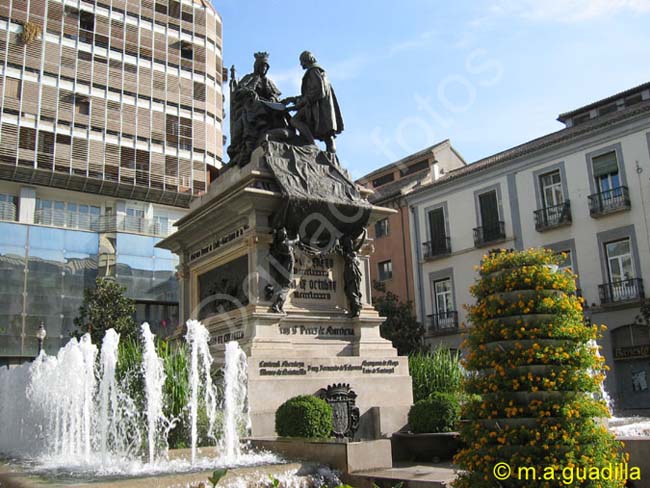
pixel 438 413
pixel 304 416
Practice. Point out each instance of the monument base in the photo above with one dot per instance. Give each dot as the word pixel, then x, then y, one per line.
pixel 324 331
pixel 382 385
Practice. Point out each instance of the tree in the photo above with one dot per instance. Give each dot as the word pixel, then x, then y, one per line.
pixel 105 307
pixel 401 326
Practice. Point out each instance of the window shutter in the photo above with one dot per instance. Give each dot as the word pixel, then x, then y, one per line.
pixel 437 225
pixel 605 164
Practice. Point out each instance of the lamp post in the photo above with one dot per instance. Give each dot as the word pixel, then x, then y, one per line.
pixel 40 335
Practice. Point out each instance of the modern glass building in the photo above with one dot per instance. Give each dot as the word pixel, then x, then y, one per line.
pixel 110 122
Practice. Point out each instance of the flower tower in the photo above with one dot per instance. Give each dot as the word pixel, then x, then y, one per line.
pixel 535 375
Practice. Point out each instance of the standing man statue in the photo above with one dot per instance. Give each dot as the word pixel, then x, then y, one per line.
pixel 318 115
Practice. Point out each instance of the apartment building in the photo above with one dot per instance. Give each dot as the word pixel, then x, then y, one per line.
pixel 110 122
pixel 391 264
pixel 583 190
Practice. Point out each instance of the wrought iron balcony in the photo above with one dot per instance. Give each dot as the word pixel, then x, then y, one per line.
pixel 490 233
pixel 440 247
pixel 609 201
pixel 621 291
pixel 442 323
pixel 551 217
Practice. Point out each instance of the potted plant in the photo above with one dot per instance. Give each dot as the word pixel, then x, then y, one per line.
pixel 432 423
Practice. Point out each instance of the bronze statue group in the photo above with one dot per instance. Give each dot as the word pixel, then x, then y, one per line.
pixel 259 114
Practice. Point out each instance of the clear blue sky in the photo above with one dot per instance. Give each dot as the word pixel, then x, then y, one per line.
pixel 486 74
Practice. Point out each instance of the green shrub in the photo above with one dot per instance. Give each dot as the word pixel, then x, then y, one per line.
pixel 438 413
pixel 437 371
pixel 304 416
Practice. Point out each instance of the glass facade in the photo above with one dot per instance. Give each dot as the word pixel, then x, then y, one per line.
pixel 45 271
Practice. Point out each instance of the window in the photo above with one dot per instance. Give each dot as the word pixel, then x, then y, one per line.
pixel 442 296
pixel 161 8
pixel 619 260
pixel 606 173
pixel 622 284
pixel 7 207
pixel 491 228
pixel 82 105
pixel 86 21
pixel 185 134
pixel 385 269
pixel 134 220
pixel 12 88
pixel 382 180
pixel 381 228
pixel 161 225
pixel 27 138
pixel 439 243
pixel 67 214
pixel 414 168
pixel 567 263
pixel 186 50
pixel 551 186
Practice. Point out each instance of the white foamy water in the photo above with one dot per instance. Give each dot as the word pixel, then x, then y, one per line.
pixel 72 413
pixel 235 408
pixel 200 380
pixel 154 381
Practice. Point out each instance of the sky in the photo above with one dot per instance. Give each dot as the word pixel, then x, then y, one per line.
pixel 486 74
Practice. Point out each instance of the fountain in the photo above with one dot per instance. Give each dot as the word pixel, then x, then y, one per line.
pixel 74 412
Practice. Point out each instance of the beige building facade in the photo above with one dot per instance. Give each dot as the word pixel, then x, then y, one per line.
pixel 582 190
pixel 391 263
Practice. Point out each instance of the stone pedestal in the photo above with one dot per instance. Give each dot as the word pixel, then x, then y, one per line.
pixel 225 272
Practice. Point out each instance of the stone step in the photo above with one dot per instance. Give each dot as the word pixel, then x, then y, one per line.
pixel 412 475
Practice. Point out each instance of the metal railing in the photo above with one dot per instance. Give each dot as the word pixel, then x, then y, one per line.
pixel 134 225
pixel 555 216
pixel 8 211
pixel 443 322
pixel 609 201
pixel 489 233
pixel 67 219
pixel 440 247
pixel 621 291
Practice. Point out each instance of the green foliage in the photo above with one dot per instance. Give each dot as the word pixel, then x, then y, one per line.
pixel 440 412
pixel 401 326
pixel 304 416
pixel 175 390
pixel 436 371
pixel 105 307
pixel 217 474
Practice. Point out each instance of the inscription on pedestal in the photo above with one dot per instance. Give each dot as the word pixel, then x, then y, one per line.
pixel 317 331
pixel 302 368
pixel 315 281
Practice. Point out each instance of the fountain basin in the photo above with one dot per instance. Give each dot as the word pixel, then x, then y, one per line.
pixel 290 474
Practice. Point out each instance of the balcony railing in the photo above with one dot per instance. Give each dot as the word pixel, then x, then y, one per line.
pixel 443 322
pixel 8 211
pixel 439 247
pixel 609 201
pixel 68 219
pixel 489 234
pixel 135 225
pixel 621 291
pixel 551 217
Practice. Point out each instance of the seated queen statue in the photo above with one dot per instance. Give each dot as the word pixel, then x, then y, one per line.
pixel 254 110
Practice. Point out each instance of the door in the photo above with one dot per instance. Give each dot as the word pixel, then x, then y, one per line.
pixel 621 272
pixel 489 208
pixel 438 233
pixel 443 316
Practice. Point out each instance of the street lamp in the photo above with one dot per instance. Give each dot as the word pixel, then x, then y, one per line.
pixel 40 335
